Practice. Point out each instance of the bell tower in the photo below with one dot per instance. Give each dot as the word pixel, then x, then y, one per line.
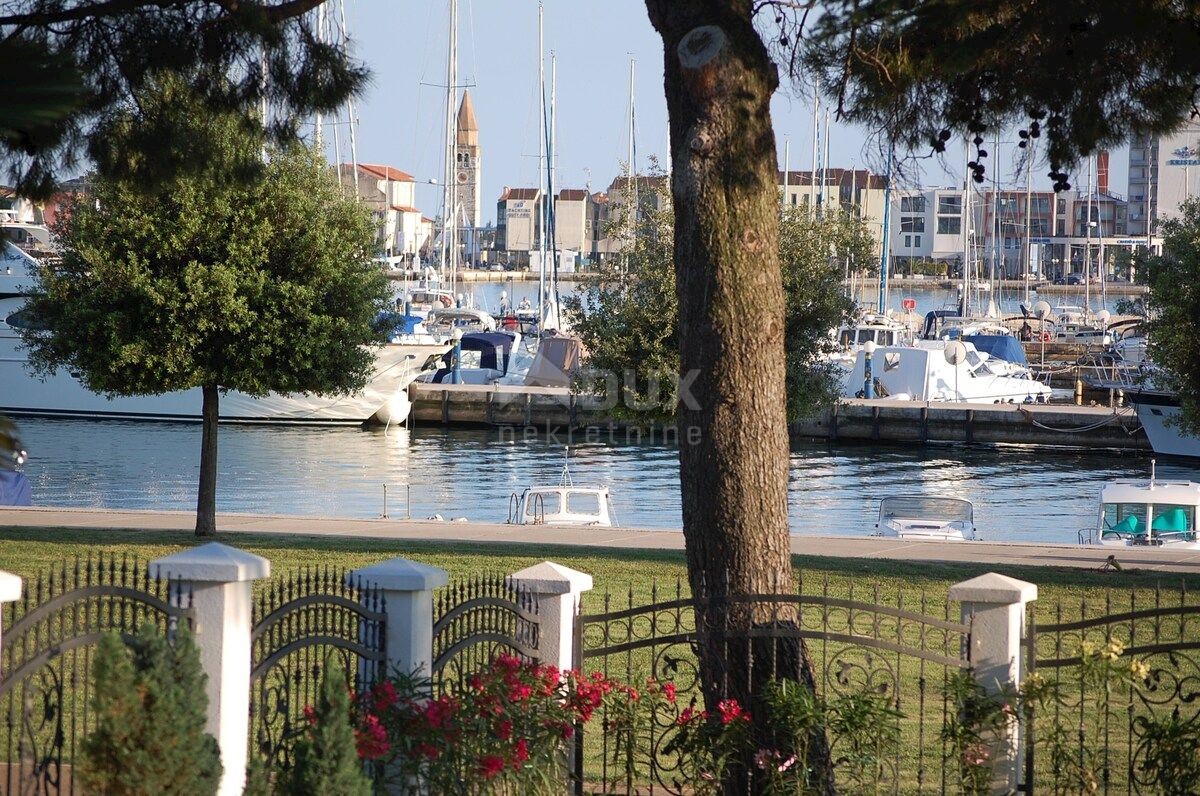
pixel 468 176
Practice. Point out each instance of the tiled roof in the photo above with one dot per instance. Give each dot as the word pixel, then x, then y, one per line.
pixel 405 209
pixel 382 172
pixel 572 194
pixel 847 177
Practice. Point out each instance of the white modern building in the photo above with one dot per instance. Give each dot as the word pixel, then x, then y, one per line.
pixel 1164 172
pixel 401 231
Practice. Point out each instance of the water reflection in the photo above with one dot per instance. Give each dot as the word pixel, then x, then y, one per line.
pixel 1019 493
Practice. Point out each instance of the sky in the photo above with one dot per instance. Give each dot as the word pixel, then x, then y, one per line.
pixel 401 115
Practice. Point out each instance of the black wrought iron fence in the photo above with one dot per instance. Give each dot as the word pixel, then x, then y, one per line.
pixel 302 620
pixel 1114 676
pixel 474 620
pixel 904 652
pixel 50 636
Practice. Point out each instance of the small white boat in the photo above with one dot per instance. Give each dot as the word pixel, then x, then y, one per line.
pixel 565 504
pixel 1135 513
pixel 935 370
pixel 932 519
pixel 561 505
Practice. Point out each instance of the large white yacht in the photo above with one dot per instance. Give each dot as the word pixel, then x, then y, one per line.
pixel 62 394
pixel 939 370
pixel 1135 513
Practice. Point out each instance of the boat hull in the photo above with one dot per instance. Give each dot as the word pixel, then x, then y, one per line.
pixel 1158 416
pixel 63 395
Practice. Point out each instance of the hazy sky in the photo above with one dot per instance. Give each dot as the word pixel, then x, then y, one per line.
pixel 401 116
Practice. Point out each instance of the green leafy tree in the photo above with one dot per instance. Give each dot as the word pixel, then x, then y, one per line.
pixel 1174 305
pixel 149 703
pixel 326 759
pixel 241 276
pixel 628 313
pixel 72 64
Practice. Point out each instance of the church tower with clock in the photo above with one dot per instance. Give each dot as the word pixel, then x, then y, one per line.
pixel 468 176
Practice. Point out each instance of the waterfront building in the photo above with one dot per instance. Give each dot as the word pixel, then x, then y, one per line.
pixel 1164 172
pixel 390 194
pixel 517 213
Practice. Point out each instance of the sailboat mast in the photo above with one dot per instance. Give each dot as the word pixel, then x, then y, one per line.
pixel 319 117
pixel 825 164
pixel 884 251
pixel 550 170
pixel 633 185
pixel 1087 247
pixel 351 120
pixel 966 238
pixel 787 157
pixel 542 176
pixel 449 212
pixel 996 213
pixel 1028 253
pixel 812 175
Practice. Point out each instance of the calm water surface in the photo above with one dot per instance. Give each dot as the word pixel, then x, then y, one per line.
pixel 1019 494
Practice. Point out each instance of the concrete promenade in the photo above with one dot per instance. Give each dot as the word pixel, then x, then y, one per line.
pixel 475 533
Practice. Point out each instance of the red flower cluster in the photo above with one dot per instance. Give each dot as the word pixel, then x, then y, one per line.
pixel 371 739
pixel 730 711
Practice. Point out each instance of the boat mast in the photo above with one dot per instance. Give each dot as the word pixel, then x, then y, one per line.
pixel 883 255
pixel 450 194
pixel 1028 253
pixel 351 119
pixel 966 239
pixel 787 158
pixel 1087 248
pixel 633 184
pixel 542 176
pixel 812 175
pixel 551 211
pixel 995 213
pixel 824 165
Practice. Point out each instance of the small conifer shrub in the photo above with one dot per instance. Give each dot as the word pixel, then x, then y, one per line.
pixel 150 707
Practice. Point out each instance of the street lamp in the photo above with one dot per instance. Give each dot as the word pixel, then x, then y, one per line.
pixel 869 385
pixel 456 376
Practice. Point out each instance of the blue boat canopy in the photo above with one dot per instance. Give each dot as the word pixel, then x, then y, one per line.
pixel 493 348
pixel 998 346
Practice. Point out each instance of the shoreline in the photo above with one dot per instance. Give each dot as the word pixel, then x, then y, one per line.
pixel 1029 554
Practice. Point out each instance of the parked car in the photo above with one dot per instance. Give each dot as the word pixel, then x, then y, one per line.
pixel 1069 279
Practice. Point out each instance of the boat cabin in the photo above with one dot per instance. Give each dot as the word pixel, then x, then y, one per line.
pixel 561 505
pixel 921 517
pixel 879 329
pixel 1153 513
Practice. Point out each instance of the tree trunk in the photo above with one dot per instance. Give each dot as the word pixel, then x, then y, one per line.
pixel 733 435
pixel 206 499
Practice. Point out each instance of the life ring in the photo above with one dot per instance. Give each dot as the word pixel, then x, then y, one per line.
pixel 446 301
pixel 1046 337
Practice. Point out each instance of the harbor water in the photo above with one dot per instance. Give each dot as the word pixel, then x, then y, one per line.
pixel 1019 494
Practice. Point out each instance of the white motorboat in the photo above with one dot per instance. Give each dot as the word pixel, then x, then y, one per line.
pixel 922 518
pixel 561 505
pixel 1158 412
pixel 940 370
pixel 1136 513
pixel 565 504
pixel 63 395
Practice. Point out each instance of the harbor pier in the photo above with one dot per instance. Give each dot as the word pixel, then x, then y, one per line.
pixel 851 420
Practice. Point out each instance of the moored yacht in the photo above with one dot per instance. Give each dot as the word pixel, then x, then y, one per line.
pixel 1136 513
pixel 62 394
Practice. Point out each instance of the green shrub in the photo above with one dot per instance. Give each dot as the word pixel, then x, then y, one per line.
pixel 150 706
pixel 327 757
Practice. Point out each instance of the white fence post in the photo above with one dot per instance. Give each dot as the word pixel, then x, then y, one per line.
pixel 10 592
pixel 408 591
pixel 557 590
pixel 994 605
pixel 220 579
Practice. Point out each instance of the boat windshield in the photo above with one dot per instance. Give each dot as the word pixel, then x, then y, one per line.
pixel 929 508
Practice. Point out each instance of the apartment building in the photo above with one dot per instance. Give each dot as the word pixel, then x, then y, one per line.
pixel 401 230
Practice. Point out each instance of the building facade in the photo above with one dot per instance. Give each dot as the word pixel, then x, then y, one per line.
pixel 468 166
pixel 1164 172
pixel 401 231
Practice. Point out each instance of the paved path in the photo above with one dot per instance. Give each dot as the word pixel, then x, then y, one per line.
pixel 1010 553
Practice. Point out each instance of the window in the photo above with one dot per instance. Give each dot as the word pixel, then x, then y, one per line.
pixel 1040 205
pixel 1168 519
pixel 908 241
pixel 794 198
pixel 583 503
pixel 540 504
pixel 949 225
pixel 912 204
pixel 891 361
pixel 1007 204
pixel 917 240
pixel 1124 518
pixel 912 224
pixel 950 204
pixel 25 319
pixel 1061 205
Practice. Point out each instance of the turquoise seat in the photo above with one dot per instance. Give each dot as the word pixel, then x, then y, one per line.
pixel 1129 525
pixel 1173 521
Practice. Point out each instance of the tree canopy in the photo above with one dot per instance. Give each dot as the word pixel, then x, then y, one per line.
pixel 1174 303
pixel 237 276
pixel 1079 74
pixel 74 63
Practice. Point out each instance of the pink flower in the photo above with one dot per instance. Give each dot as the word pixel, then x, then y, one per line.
pixel 521 753
pixel 310 714
pixel 786 764
pixel 669 690
pixel 490 766
pixel 504 730
pixel 371 739
pixel 729 710
pixel 384 696
pixel 765 757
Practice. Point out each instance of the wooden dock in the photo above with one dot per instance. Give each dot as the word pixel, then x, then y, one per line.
pixel 558 410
